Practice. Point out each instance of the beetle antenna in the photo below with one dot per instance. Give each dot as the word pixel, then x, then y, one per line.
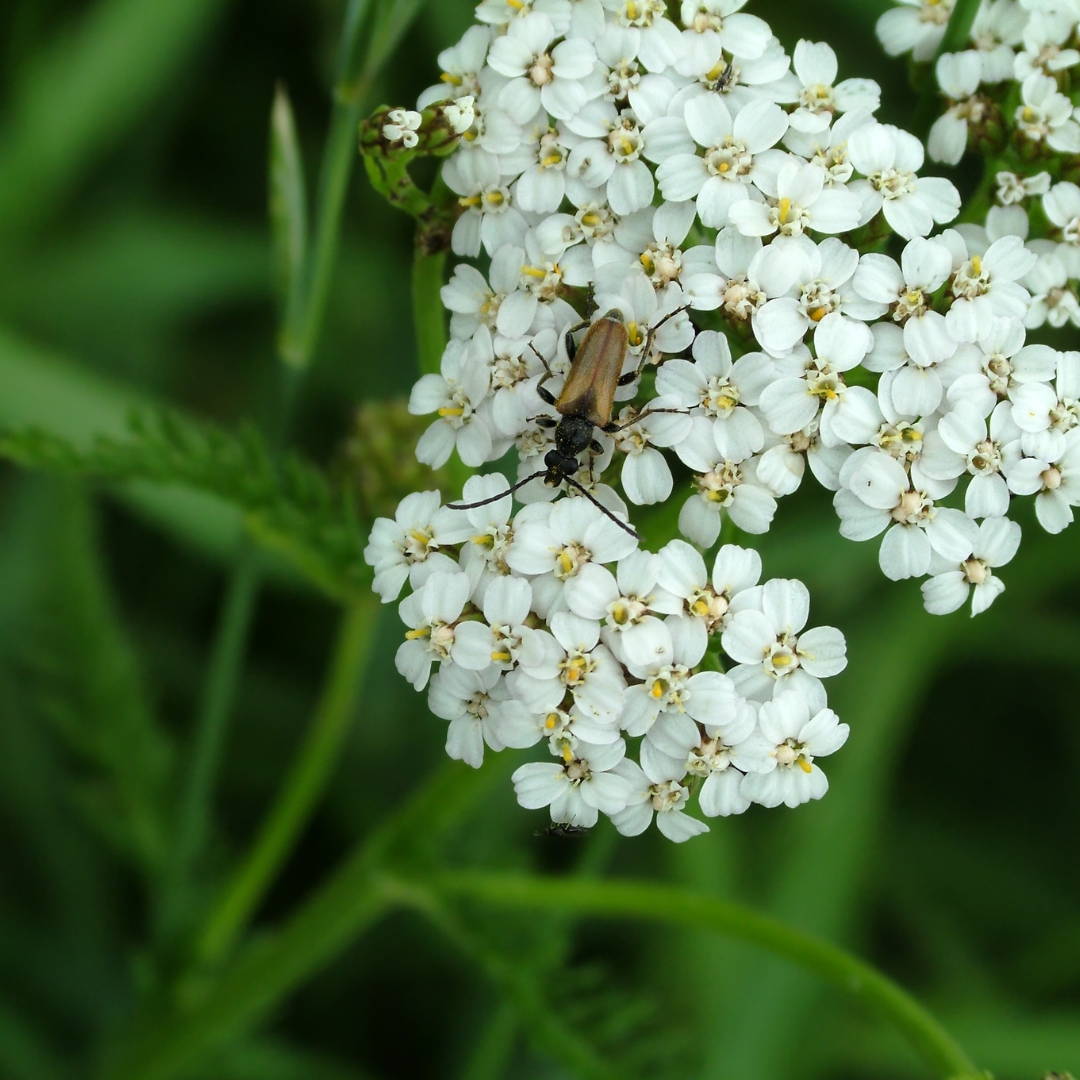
pixel 495 498
pixel 601 507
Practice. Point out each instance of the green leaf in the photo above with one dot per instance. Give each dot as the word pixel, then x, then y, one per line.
pixel 84 679
pixel 288 221
pixel 290 506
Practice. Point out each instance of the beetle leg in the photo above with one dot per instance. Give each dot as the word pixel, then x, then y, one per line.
pixel 540 356
pixel 568 339
pixel 545 394
pixel 648 412
pixel 656 326
pixel 542 421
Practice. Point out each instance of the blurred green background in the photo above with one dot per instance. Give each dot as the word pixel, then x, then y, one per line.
pixel 137 270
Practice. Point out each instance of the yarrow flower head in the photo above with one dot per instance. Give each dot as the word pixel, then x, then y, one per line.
pixel 696 270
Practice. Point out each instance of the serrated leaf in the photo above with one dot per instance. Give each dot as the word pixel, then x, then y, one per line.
pixel 288 219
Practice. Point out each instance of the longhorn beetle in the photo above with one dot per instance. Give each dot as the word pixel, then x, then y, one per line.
pixel 586 402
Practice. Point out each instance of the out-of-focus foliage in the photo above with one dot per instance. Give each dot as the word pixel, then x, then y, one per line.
pixel 140 275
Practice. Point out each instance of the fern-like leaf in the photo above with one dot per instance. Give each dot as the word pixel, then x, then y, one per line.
pixel 290 506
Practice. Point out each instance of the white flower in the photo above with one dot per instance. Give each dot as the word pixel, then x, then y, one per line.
pixel 889 159
pixel 721 484
pixel 958 75
pixel 877 495
pixel 663 796
pixel 1013 188
pixel 407 546
pixel 719 179
pixel 1054 483
pixel 987 285
pixel 721 390
pixel 1005 363
pixel 614 163
pixel 993 543
pixel 1053 301
pixel 815 67
pixel 578 787
pixel 798 200
pixel 1046 36
pixel 673 698
pixel 461 65
pixel 1062 206
pixel 646 477
pixel 807 385
pixel 795 738
pixel 770 649
pixel 402 126
pixel 558 540
pixel 713 25
pixel 644 308
pixel 431 613
pixel 503 640
pixel 472 702
pixel 962 443
pixel 822 281
pixel 581 665
pixel 459 396
pixel 915 26
pixel 459 114
pixel 723 755
pixel 708 599
pixel 489 218
pixel 625 603
pixel 1047 115
pixel 541 76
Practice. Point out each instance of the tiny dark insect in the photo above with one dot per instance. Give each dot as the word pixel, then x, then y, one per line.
pixel 586 402
pixel 561 829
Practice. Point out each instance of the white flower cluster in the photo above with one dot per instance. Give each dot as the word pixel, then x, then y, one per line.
pixel 728 203
pixel 554 628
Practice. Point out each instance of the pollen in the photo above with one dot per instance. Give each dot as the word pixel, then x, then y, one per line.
pixel 659 688
pixel 818 313
pixel 501 656
pixel 803 764
pixel 976 264
pixel 451 410
pixel 534 272
pixel 419 632
pixel 634 334
pixel 784 210
pixel 551 721
pixel 632 10
pixel 469 200
pixel 451 79
pixel 483 540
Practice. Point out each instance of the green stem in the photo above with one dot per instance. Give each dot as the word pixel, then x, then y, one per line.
pixel 632 899
pixel 234 626
pixel 297 798
pixel 428 317
pixel 174 1037
pixel 543 1018
pixel 357 69
pixel 226 656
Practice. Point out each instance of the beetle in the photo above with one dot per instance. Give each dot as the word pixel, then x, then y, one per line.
pixel 586 402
